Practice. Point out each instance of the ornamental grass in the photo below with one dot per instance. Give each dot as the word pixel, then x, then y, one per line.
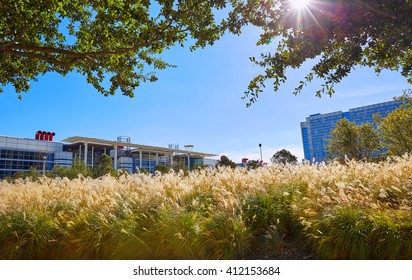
pixel 356 210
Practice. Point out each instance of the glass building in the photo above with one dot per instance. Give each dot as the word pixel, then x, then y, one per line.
pixel 317 127
pixel 22 155
pixel 42 154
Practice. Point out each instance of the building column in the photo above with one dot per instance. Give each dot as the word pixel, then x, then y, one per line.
pixel 80 152
pixel 115 157
pixel 140 159
pixel 92 156
pixel 157 158
pixel 85 153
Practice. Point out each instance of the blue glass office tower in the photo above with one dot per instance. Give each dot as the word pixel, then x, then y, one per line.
pixel 316 129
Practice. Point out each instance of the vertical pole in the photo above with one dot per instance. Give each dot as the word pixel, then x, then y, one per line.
pixel 85 153
pixel 140 159
pixel 188 150
pixel 80 153
pixel 115 157
pixel 149 163
pixel 44 164
pixel 92 156
pixel 157 158
pixel 260 146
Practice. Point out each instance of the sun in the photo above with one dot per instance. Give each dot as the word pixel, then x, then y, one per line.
pixel 300 4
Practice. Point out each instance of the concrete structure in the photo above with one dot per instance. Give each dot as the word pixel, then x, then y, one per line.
pixel 23 154
pixel 316 129
pixel 130 156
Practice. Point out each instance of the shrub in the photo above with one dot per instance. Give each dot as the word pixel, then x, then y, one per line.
pixel 163 169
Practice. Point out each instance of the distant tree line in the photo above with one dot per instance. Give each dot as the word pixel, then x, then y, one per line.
pixel 280 157
pixel 104 165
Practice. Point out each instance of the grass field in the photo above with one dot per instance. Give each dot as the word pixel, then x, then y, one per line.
pixel 352 211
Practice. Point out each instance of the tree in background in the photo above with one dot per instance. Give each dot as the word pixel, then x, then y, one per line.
pixel 337 35
pixel 225 161
pixel 104 165
pixel 198 166
pixel 113 40
pixel 284 157
pixel 351 141
pixel 79 167
pixel 143 171
pixel 179 164
pixel 33 174
pixel 396 128
pixel 163 169
pixel 253 164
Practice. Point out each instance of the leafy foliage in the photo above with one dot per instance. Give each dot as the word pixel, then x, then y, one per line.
pixel 104 165
pixel 225 161
pixel 283 157
pixel 396 128
pixel 121 41
pixel 163 169
pixel 351 141
pixel 179 165
pixel 253 164
pixel 113 40
pixel 198 166
pixel 335 35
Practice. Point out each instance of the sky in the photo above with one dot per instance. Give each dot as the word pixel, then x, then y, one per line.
pixel 197 103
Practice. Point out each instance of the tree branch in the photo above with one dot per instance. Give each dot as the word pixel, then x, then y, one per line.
pixel 64 65
pixel 68 53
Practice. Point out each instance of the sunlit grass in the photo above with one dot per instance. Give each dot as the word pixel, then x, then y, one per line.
pixel 351 211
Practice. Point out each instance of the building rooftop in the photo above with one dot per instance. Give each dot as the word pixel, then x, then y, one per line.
pixel 111 143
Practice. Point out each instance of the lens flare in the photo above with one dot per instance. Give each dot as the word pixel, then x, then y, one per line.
pixel 300 4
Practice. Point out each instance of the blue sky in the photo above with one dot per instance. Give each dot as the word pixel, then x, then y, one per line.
pixel 198 103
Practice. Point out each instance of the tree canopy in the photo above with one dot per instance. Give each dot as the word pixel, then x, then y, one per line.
pixel 336 34
pixel 104 165
pixel 283 157
pixel 115 41
pixel 225 161
pixel 117 44
pixel 253 164
pixel 396 128
pixel 351 141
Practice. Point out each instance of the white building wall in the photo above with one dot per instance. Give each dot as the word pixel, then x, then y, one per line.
pixel 13 143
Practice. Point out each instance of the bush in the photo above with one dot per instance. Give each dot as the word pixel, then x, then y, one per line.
pixel 163 169
pixel 104 165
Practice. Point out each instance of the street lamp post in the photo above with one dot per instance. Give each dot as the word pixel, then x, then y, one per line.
pixel 188 148
pixel 44 165
pixel 260 147
pixel 44 152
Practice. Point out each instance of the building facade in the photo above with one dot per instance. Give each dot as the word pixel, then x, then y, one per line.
pixel 23 154
pixel 317 127
pixel 42 154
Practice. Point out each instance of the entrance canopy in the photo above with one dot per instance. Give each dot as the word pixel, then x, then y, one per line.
pixel 145 148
